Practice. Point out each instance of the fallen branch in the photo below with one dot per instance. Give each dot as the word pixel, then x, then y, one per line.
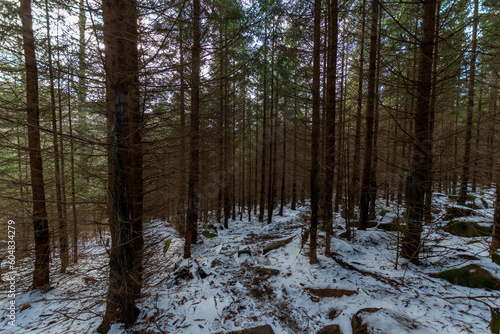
pixel 472 297
pixel 381 278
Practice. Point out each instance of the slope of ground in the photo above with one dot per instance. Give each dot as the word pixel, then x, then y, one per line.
pixel 230 284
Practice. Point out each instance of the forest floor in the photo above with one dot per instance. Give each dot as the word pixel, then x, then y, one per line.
pixel 230 284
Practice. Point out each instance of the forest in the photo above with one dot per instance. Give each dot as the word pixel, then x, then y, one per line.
pixel 250 166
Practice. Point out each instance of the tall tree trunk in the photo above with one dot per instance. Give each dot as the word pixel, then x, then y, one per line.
pixel 61 146
pixel 366 181
pixel 81 107
pixel 272 143
pixel 125 185
pixel 331 101
pixel 477 139
pixel 227 160
pixel 315 134
pixel 243 156
pixel 495 240
pixel 295 157
pixel 283 166
pixel 416 183
pixel 356 165
pixel 339 142
pixel 181 211
pixel 221 130
pixel 72 168
pixel 493 103
pixel 264 138
pixel 432 112
pixel 62 228
pixel 41 278
pixel 256 175
pixel 464 180
pixel 373 178
pixel 455 151
pixel 194 163
pixel 251 165
pixel 232 144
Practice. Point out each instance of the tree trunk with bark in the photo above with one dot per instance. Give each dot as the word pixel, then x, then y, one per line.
pixel 82 19
pixel 495 240
pixel 181 207
pixel 464 180
pixel 432 112
pixel 330 119
pixel 315 135
pixel 283 166
pixel 41 277
pixel 62 227
pixel 125 185
pixel 366 182
pixel 264 138
pixel 272 144
pixel 416 182
pixel 295 153
pixel 194 162
pixel 356 165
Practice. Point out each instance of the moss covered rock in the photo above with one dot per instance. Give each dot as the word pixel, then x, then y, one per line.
pixel 276 245
pixel 495 257
pixel 468 257
pixel 390 227
pixel 467 229
pixel 473 205
pixel 359 326
pixel 453 212
pixel 330 329
pixel 208 234
pixel 495 320
pixel 472 276
pixel 376 320
pixel 369 224
pixel 382 213
pixel 244 250
pixel 485 203
pixel 215 262
pixel 266 329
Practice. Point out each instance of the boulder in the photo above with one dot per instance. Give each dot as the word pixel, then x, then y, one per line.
pixel 267 271
pixel 495 257
pixel 393 226
pixel 215 262
pixel 377 320
pixel 276 245
pixel 457 211
pixel 383 212
pixel 334 313
pixel 209 235
pixel 495 320
pixel 472 276
pixel 467 229
pixel 468 257
pixel 266 329
pixel 244 250
pixel 330 329
pixel 369 224
pixel 183 273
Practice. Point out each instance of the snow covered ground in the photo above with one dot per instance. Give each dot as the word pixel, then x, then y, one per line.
pixel 218 291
